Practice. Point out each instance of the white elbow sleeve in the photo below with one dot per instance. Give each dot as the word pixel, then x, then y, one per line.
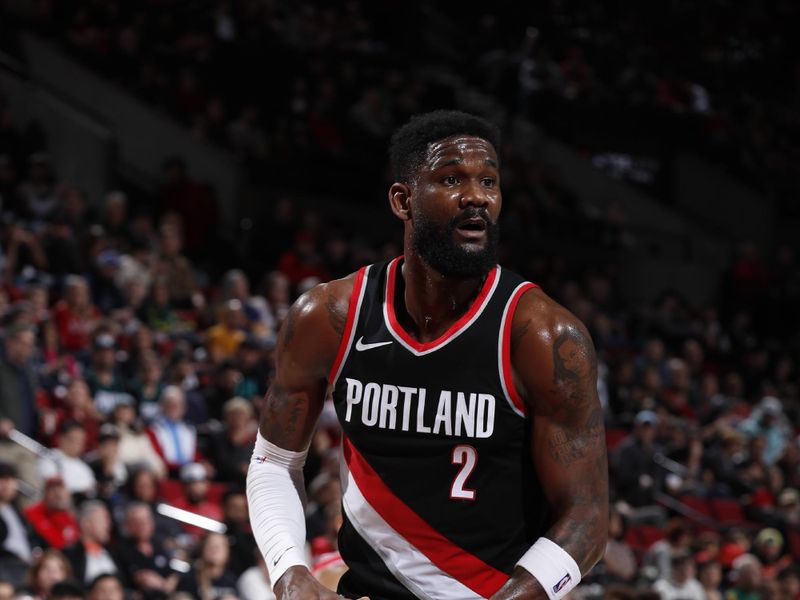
pixel 276 497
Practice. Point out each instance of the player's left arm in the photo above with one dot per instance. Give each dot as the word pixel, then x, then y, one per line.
pixel 555 368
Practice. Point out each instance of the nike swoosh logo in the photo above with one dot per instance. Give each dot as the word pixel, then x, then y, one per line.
pixel 361 346
pixel 277 560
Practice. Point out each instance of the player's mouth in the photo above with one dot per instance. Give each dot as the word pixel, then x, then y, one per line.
pixel 472 229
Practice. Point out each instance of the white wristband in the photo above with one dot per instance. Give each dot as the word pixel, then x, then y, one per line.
pixel 553 568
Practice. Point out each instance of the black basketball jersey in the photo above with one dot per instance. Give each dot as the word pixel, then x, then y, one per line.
pixel 440 498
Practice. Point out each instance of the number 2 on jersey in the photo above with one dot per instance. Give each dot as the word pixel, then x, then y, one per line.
pixel 466 456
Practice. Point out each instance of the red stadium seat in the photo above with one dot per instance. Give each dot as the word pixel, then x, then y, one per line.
pixel 727 511
pixel 794 542
pixel 698 504
pixel 171 490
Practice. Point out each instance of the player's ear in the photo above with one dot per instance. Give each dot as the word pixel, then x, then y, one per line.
pixel 400 201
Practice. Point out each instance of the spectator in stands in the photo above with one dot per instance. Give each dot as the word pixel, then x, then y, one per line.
pixel 18 381
pixel 231 447
pixel 254 583
pixel 104 375
pixel 709 574
pixel 236 286
pixel 174 268
pixel 15 542
pixel 78 407
pixel 145 560
pixel 50 569
pixel 789 580
pixel 196 486
pixel 747 578
pixel 75 315
pixel 135 447
pixel 768 548
pixel 105 289
pixel 278 294
pixel 240 535
pixel 681 583
pixel 158 311
pixel 173 439
pixel 143 488
pixel 52 518
pixel 106 587
pixel 23 253
pixel 210 577
pixel 224 338
pixel 91 556
pixel 636 473
pixel 254 364
pixel 149 384
pixel 227 377
pixel 106 464
pixel 677 541
pixel 768 421
pixel 619 560
pixel 66 461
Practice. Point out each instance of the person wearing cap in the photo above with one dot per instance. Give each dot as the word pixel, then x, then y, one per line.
pixel 104 377
pixel 636 473
pixel 106 293
pixel 196 486
pixel 77 405
pixel 66 460
pixel 52 518
pixel 768 547
pixel 91 556
pixel 15 534
pixel 747 576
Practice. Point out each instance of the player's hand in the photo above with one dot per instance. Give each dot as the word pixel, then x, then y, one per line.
pixel 299 584
pixel 521 585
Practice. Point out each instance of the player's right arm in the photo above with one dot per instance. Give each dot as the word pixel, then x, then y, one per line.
pixel 307 346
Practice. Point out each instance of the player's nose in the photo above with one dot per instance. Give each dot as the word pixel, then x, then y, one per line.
pixel 474 194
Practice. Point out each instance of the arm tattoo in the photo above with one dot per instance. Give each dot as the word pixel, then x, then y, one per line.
pixel 282 415
pixel 336 316
pixel 577 444
pixel 575 371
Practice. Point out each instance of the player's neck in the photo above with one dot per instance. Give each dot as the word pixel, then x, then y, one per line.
pixel 431 302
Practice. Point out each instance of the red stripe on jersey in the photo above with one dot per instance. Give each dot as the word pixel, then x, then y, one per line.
pixel 391 277
pixel 508 379
pixel 467 568
pixel 344 344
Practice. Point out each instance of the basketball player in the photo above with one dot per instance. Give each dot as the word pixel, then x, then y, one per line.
pixel 473 453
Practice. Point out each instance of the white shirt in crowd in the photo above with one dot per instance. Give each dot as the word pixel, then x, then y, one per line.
pixel 689 590
pixel 77 475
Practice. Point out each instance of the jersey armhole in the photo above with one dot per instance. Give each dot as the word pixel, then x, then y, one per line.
pixel 504 350
pixel 353 310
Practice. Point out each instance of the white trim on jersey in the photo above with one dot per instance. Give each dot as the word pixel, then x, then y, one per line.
pixel 454 335
pixel 353 326
pixel 500 349
pixel 410 566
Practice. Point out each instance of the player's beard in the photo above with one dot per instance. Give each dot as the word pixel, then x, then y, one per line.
pixel 435 244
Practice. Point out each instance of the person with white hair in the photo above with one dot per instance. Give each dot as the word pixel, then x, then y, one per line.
pixel 91 557
pixel 173 438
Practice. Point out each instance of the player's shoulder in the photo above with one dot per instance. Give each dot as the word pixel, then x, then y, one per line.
pixel 538 319
pixel 324 303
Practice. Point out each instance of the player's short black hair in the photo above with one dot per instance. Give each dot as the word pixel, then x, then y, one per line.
pixel 409 144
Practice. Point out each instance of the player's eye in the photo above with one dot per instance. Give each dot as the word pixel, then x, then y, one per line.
pixel 488 182
pixel 450 180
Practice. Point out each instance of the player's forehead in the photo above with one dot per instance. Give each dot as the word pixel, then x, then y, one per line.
pixel 461 147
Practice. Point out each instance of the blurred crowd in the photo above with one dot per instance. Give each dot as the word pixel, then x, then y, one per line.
pixel 328 81
pixel 135 353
